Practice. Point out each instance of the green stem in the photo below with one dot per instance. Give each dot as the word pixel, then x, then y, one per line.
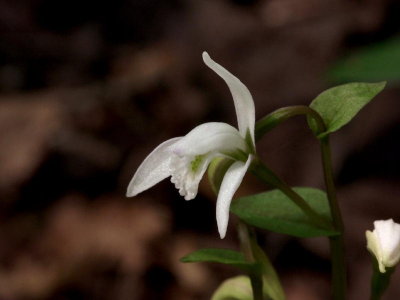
pixel 336 242
pixel 246 241
pixel 278 116
pixel 379 282
pixel 330 185
pixel 266 277
pixel 338 267
pixel 267 176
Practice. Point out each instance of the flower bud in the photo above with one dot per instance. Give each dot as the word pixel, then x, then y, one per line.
pixel 384 243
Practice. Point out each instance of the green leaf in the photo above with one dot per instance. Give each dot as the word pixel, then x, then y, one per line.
pixel 338 105
pixel 236 288
pixel 274 211
pixel 223 256
pixel 377 62
pixel 271 285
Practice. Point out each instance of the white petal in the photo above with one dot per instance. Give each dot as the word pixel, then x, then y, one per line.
pixel 229 186
pixel 388 235
pixel 374 247
pixel 153 169
pixel 244 104
pixel 384 243
pixel 209 137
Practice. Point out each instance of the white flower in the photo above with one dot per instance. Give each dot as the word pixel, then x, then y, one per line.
pixel 384 243
pixel 186 158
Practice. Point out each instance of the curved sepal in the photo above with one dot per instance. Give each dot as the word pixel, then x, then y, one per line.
pixel 229 186
pixel 244 104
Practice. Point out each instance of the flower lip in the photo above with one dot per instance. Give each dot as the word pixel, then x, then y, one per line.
pixel 186 173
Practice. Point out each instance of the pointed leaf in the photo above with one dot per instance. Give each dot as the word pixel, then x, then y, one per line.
pixel 223 256
pixel 274 211
pixel 338 105
pixel 379 61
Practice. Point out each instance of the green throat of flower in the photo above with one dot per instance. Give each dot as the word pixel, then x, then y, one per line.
pixel 196 163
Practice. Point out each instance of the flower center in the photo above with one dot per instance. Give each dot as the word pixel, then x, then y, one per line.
pixel 185 174
pixel 196 162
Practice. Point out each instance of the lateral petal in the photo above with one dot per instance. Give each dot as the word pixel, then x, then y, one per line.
pixel 229 186
pixel 209 137
pixel 153 169
pixel 244 104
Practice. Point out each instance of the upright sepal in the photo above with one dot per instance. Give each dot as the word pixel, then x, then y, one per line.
pixel 244 104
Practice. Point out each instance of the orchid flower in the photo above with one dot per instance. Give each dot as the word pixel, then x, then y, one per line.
pixel 186 158
pixel 384 243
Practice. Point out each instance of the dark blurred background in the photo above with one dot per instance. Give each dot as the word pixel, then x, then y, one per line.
pixel 89 88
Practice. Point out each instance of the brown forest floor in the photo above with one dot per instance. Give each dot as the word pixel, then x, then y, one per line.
pixel 87 89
